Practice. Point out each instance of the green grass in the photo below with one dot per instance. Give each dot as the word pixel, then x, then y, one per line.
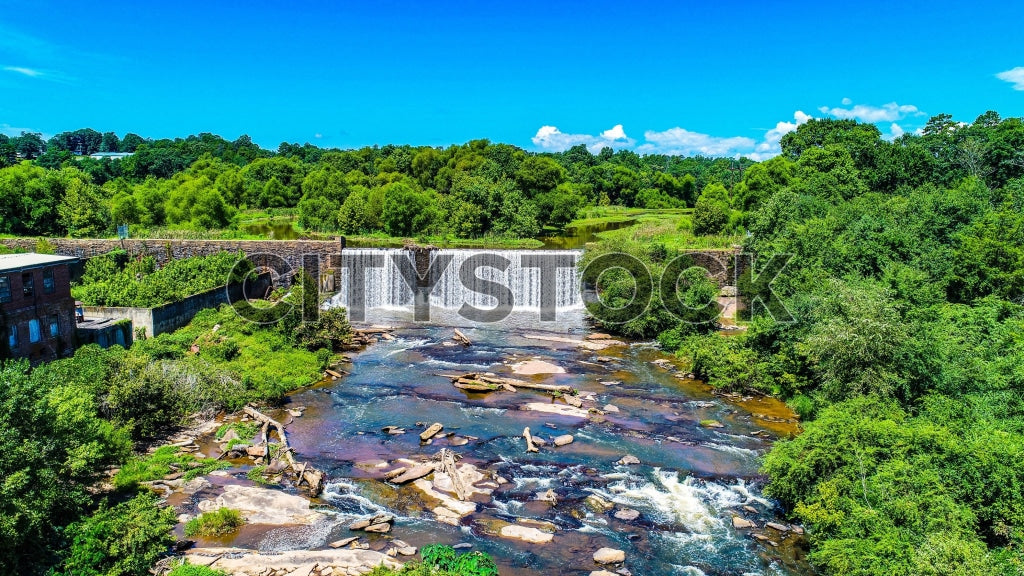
pixel 264 359
pixel 595 215
pixel 673 228
pixel 244 430
pixel 256 475
pixel 381 240
pixel 158 464
pixel 217 523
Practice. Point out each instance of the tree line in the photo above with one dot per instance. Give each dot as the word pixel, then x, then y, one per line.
pixel 203 182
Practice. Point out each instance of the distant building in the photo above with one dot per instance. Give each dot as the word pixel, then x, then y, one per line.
pixel 111 155
pixel 37 312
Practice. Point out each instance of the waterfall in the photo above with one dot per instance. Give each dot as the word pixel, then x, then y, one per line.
pixel 461 277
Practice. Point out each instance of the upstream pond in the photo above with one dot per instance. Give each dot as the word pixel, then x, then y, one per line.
pixel 690 483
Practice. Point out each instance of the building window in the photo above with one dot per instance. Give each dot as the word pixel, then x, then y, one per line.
pixel 5 288
pixel 28 285
pixel 34 333
pixel 12 337
pixel 54 327
pixel 48 285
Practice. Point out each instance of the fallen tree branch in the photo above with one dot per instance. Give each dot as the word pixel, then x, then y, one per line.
pixel 311 476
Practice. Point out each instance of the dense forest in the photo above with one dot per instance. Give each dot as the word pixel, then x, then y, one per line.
pixel 901 341
pixel 203 182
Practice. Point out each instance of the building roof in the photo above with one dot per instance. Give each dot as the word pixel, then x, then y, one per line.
pixel 10 262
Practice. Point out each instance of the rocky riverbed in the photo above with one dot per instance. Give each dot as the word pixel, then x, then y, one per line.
pixel 626 476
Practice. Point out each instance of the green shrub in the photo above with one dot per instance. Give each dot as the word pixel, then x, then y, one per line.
pixel 439 556
pixel 140 283
pixel 124 540
pixel 217 523
pixel 441 560
pixel 244 430
pixel 158 464
pixel 802 405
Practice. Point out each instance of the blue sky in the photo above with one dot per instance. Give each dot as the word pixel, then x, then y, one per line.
pixel 719 78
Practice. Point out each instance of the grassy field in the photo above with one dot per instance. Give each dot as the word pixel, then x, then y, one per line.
pixel 673 228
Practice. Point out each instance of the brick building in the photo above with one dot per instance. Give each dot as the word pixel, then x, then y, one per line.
pixel 37 312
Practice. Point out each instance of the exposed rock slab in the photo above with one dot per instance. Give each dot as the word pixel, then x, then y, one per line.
pixel 559 409
pixel 531 367
pixel 239 562
pixel 526 534
pixel 585 344
pixel 264 506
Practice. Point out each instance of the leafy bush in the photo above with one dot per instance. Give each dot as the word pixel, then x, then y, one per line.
pixel 244 430
pixel 217 523
pixel 53 447
pixel 440 560
pixel 124 540
pixel 159 464
pixel 140 284
pixel 439 556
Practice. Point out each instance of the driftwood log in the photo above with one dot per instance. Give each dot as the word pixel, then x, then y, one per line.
pixel 461 338
pixel 490 383
pixel 311 477
pixel 446 463
pixel 530 446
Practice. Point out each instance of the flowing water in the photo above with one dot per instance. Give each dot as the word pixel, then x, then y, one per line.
pixel 691 481
pixel 386 288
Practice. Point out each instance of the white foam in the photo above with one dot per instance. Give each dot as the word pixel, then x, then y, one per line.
pixel 686 503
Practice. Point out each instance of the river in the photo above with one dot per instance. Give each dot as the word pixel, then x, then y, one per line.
pixel 690 482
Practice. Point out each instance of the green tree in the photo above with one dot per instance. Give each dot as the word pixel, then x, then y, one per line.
pixel 123 540
pixel 711 213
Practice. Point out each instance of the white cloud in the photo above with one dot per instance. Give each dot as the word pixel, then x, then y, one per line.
pixel 770 147
pixel 614 133
pixel 895 131
pixel 12 130
pixel 551 139
pixel 674 141
pixel 886 113
pixel 30 72
pixel 1014 76
pixel 318 135
pixel 682 142
pixel 847 101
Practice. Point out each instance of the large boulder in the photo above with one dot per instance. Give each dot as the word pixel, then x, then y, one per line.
pixel 526 534
pixel 609 556
pixel 264 506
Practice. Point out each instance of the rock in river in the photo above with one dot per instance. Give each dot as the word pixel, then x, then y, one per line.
pixel 564 440
pixel 609 556
pixel 263 506
pixel 627 514
pixel 526 534
pixel 742 523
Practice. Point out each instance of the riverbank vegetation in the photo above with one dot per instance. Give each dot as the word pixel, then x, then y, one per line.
pixel 69 422
pixel 441 560
pixel 896 334
pixel 115 280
